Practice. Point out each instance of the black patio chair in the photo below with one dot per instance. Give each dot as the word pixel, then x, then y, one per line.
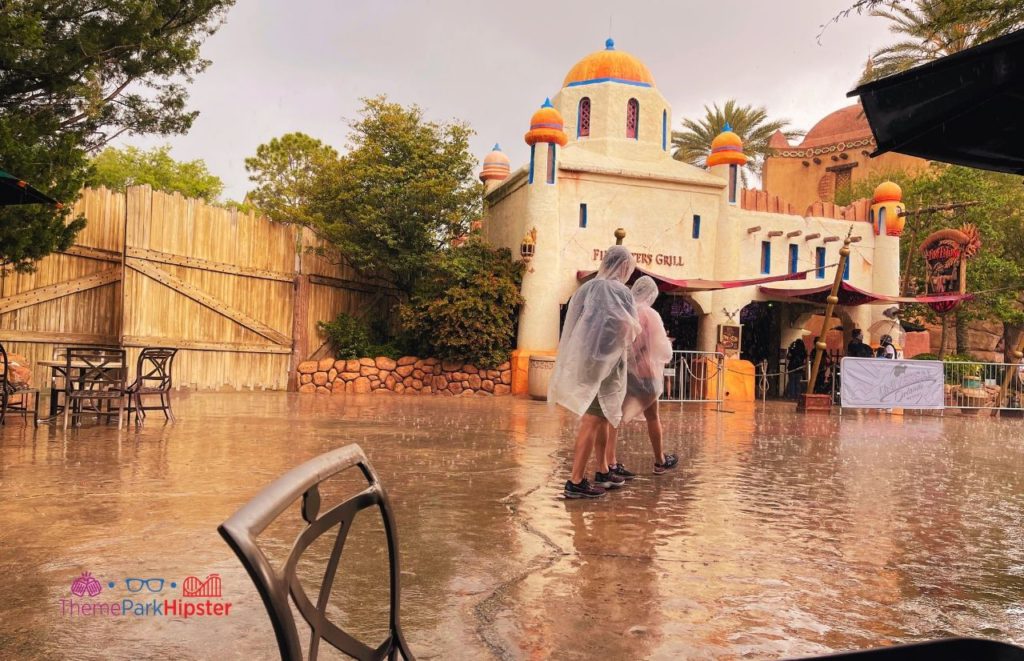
pixel 241 530
pixel 9 391
pixel 152 378
pixel 94 377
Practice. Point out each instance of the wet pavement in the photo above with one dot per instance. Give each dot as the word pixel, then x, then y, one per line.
pixel 778 535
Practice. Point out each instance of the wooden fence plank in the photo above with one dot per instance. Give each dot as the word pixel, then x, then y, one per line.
pixel 93 253
pixel 206 265
pixel 237 347
pixel 56 337
pixel 59 290
pixel 177 284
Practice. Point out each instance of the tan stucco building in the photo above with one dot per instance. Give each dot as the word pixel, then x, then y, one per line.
pixel 832 156
pixel 600 160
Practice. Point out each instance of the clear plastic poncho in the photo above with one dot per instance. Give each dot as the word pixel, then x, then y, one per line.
pixel 600 325
pixel 647 357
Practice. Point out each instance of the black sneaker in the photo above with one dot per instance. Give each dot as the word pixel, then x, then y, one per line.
pixel 608 480
pixel 582 490
pixel 671 461
pixel 620 470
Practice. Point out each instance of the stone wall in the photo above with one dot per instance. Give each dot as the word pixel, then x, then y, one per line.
pixel 984 339
pixel 407 375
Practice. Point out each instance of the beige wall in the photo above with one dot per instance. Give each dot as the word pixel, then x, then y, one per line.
pixel 797 183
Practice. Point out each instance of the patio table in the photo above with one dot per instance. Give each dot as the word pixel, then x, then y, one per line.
pixel 58 367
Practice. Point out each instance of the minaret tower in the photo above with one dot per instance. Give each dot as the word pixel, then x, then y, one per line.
pixel 538 320
pixel 726 159
pixel 887 223
pixel 496 169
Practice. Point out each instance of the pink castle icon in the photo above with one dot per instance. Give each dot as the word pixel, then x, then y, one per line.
pixel 86 585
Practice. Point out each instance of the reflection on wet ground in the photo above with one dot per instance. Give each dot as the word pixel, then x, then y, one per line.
pixel 779 534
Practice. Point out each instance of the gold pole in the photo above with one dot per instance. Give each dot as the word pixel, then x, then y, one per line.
pixel 620 234
pixel 833 298
pixel 1016 354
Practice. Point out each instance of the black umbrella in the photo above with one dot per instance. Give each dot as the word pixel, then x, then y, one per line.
pixel 17 191
pixel 964 108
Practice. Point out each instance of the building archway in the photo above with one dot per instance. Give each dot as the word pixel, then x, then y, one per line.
pixel 681 315
pixel 762 335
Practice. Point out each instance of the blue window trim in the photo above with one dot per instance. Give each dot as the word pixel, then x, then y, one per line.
pixel 881 221
pixel 533 154
pixel 819 262
pixel 664 130
pixel 846 269
pixel 766 257
pixel 734 182
pixel 794 258
pixel 552 162
pixel 583 215
pixel 696 226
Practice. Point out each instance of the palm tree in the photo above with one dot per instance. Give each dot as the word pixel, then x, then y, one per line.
pixel 930 29
pixel 693 143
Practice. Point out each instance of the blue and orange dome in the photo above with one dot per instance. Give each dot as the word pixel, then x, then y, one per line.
pixel 547 125
pixel 609 65
pixel 887 191
pixel 497 165
pixel 727 149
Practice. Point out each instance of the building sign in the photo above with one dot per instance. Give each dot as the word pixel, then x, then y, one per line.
pixel 729 340
pixel 945 254
pixel 876 383
pixel 645 258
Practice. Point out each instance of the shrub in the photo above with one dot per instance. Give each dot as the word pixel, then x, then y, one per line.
pixel 926 356
pixel 464 307
pixel 347 335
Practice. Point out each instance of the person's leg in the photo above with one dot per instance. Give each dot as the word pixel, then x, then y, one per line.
pixel 590 425
pixel 655 432
pixel 609 454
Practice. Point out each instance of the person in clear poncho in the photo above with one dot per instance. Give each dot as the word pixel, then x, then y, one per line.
pixel 650 351
pixel 589 377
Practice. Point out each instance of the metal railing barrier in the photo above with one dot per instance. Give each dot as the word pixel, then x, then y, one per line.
pixel 695 376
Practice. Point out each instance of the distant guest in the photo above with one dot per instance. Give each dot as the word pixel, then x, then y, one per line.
pixel 885 348
pixel 796 359
pixel 856 348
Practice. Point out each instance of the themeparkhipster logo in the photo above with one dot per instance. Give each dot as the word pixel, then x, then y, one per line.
pixel 145 597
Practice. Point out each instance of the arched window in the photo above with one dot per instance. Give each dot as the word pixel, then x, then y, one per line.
pixel 583 118
pixel 632 119
pixel 881 221
pixel 664 130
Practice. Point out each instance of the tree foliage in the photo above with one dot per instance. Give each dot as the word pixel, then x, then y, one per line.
pixel 119 168
pixel 74 75
pixel 929 29
pixel 464 307
pixel 693 143
pixel 285 171
pixel 403 191
pixel 996 274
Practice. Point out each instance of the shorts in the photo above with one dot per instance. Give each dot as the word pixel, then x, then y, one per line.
pixel 595 409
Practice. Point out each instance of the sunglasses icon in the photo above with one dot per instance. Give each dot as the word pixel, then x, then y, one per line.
pixel 151 584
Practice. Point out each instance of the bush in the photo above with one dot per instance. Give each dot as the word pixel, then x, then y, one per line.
pixel 464 307
pixel 926 356
pixel 347 335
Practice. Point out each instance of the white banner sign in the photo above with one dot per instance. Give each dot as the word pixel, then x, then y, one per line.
pixel 877 383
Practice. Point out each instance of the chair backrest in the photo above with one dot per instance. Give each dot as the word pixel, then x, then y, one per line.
pixel 6 388
pixel 153 369
pixel 242 529
pixel 94 368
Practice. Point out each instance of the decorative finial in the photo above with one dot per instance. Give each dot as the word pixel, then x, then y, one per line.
pixel 497 147
pixel 620 234
pixel 547 103
pixel 727 127
pixel 609 44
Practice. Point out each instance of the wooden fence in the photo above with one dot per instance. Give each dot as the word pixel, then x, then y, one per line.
pixel 238 294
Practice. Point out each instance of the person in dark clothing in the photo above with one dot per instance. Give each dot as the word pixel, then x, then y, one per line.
pixel 856 348
pixel 885 348
pixel 796 359
pixel 823 384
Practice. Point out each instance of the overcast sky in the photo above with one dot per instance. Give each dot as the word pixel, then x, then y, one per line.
pixel 302 65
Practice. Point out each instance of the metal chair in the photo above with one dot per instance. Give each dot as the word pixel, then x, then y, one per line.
pixel 152 377
pixel 96 376
pixel 9 391
pixel 241 530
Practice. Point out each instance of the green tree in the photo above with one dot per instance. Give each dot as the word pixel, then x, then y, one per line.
pixel 464 307
pixel 285 171
pixel 929 29
pixel 74 75
pixel 996 274
pixel 119 168
pixel 403 191
pixel 693 143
